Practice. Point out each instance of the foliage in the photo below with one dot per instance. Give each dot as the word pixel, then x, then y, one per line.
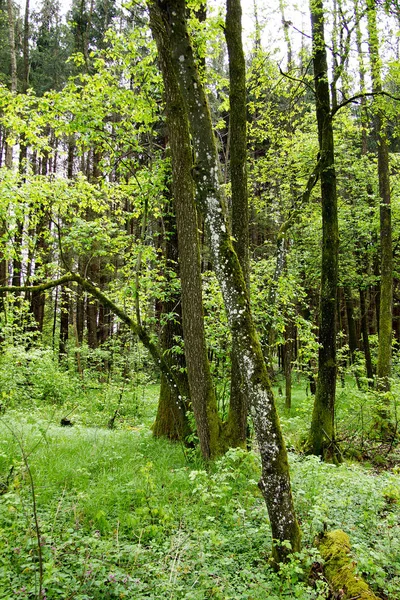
pixel 112 509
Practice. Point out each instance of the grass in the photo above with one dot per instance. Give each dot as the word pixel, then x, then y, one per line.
pixel 124 515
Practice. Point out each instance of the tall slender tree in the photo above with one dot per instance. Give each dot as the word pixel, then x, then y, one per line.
pixel 384 366
pixel 236 427
pixel 322 432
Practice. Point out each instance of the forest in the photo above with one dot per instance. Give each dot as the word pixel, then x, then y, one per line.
pixel 199 300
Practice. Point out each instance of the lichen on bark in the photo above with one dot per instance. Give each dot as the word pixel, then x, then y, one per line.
pixel 275 479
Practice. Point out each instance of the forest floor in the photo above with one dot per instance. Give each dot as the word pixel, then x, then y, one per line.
pixel 88 513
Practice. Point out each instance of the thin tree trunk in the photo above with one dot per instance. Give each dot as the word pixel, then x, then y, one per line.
pixel 365 338
pixel 384 367
pixel 353 343
pixel 287 363
pixel 64 323
pixel 14 76
pixel 236 426
pixel 322 433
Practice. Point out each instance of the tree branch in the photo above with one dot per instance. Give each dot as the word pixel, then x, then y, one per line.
pixel 363 95
pixel 173 377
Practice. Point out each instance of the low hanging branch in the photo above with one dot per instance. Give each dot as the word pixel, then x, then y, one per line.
pixel 172 376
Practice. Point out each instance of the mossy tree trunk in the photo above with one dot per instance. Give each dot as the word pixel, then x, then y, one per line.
pixel 173 375
pixel 322 432
pixel 200 382
pixel 171 419
pixel 183 86
pixel 365 337
pixel 384 366
pixel 236 426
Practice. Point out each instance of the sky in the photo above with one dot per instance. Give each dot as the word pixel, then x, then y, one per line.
pixel 268 15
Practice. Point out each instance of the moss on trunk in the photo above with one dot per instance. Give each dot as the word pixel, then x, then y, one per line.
pixel 171 421
pixel 339 567
pixel 275 480
pixel 322 432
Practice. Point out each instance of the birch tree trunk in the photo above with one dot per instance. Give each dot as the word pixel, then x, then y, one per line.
pixel 185 96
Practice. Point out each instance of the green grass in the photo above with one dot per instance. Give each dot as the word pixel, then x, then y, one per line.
pixel 123 515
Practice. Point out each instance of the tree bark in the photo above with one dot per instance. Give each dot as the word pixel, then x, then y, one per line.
pixel 171 419
pixel 322 433
pixel 64 323
pixel 236 426
pixel 384 367
pixel 365 338
pixel 201 387
pixel 183 85
pixel 14 75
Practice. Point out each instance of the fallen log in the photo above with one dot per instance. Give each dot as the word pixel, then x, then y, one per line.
pixel 339 568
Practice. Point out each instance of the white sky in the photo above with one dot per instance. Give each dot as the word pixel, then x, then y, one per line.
pixel 268 15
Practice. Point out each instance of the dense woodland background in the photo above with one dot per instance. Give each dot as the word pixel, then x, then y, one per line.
pixel 91 325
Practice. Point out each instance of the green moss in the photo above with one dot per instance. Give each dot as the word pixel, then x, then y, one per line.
pixel 340 568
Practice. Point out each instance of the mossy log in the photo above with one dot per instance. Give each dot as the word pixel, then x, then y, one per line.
pixel 340 568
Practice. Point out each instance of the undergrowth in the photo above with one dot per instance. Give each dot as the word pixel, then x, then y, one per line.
pixel 87 513
pixel 122 515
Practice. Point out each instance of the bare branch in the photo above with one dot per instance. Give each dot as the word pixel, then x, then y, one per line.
pixel 354 99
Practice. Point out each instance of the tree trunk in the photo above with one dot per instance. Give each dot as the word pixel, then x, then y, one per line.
pixel 365 338
pixel 236 426
pixel 201 387
pixel 14 76
pixel 384 367
pixel 353 342
pixel 171 420
pixel 185 96
pixel 322 433
pixel 38 299
pixel 64 323
pixel 287 362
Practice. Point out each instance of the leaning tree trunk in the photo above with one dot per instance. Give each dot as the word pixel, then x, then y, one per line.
pixel 322 432
pixel 236 426
pixel 384 366
pixel 186 98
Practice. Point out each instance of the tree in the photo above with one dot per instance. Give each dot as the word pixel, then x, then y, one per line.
pixel 185 96
pixel 322 433
pixel 236 426
pixel 385 218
